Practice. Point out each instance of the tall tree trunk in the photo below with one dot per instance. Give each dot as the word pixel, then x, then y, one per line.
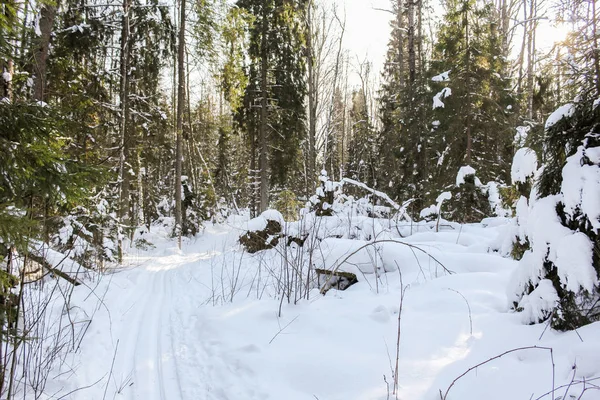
pixel 531 56
pixel 40 55
pixel 180 107
pixel 522 52
pixel 412 67
pixel 596 50
pixel 263 159
pixel 469 106
pixel 400 39
pixel 125 176
pixel 329 148
pixel 312 100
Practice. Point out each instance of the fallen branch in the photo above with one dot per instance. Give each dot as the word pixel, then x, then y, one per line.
pixel 400 208
pixel 41 260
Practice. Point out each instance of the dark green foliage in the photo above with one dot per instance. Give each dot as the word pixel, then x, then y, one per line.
pixel 39 179
pixel 580 130
pixel 562 139
pixel 469 202
pixel 362 147
pixel 477 121
pixel 280 23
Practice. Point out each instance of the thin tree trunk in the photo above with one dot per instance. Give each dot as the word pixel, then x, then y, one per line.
pixel 125 176
pixel 595 50
pixel 312 101
pixel 263 160
pixel 522 52
pixel 468 88
pixel 400 38
pixel 412 67
pixel 531 56
pixel 180 107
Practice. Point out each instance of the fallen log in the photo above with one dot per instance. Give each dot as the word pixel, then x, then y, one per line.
pixel 339 280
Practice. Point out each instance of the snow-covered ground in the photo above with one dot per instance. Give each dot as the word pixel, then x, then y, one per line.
pixel 203 323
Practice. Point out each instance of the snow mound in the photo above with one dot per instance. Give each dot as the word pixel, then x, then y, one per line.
pixel 462 172
pixel 524 165
pixel 260 223
pixel 566 110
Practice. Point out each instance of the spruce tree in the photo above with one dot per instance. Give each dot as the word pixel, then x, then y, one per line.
pixel 274 114
pixel 475 109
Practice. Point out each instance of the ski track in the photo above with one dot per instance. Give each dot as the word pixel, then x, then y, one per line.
pixel 148 348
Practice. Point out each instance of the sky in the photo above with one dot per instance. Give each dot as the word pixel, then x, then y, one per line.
pixel 367 30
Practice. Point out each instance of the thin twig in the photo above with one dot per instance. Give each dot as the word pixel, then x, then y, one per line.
pixel 445 395
pixel 468 306
pixel 282 329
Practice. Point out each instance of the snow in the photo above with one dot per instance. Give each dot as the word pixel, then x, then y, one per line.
pixel 444 76
pixel 437 99
pixel 521 135
pixel 561 112
pixel 259 223
pixel 581 184
pixel 538 304
pixel 207 323
pixel 7 76
pixel 524 165
pixel 574 262
pixel 462 172
pixel 496 201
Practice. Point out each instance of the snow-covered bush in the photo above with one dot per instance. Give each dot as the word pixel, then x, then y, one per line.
pixel 558 277
pixel 470 198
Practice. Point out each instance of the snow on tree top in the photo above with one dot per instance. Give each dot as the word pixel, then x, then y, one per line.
pixel 524 165
pixel 566 110
pixel 581 184
pixel 260 223
pixel 444 76
pixel 462 172
pixel 437 99
pixel 445 196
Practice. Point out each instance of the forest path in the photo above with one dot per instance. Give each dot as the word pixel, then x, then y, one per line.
pixel 168 347
pixel 190 325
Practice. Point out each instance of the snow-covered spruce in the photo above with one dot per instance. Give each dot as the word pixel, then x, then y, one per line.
pixel 558 276
pixel 470 198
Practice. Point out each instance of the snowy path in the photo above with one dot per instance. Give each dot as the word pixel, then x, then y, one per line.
pixel 168 330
